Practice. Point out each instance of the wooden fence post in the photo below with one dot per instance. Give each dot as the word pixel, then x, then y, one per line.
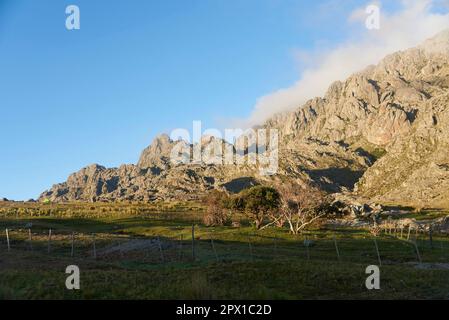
pixel 276 247
pixel 250 249
pixel 193 242
pixel 336 249
pixel 147 252
pixel 417 251
pixel 378 253
pixel 213 248
pixel 94 247
pixel 409 230
pixel 160 249
pixel 7 240
pixel 431 236
pixel 180 247
pixel 120 248
pixel 30 239
pixel 49 241
pixel 306 244
pixel 72 253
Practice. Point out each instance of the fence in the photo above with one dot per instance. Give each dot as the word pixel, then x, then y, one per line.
pixel 389 247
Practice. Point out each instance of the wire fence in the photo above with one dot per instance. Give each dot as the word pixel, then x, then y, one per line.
pixel 388 247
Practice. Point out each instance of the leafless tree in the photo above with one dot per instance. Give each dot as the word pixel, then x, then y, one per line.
pixel 216 214
pixel 301 206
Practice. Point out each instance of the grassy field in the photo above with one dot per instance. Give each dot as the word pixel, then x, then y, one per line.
pixel 130 251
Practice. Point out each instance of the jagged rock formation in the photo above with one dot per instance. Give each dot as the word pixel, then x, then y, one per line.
pixel 397 110
pixel 416 169
pixel 155 177
pixel 385 128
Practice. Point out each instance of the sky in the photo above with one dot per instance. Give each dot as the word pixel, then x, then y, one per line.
pixel 135 69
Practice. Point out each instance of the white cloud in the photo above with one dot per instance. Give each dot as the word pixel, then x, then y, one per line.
pixel 410 26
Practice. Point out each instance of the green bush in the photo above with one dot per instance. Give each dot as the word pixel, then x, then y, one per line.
pixel 256 202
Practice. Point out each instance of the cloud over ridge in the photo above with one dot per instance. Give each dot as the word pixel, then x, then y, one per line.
pixel 415 22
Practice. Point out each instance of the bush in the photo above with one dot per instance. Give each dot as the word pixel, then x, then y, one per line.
pixel 216 213
pixel 257 203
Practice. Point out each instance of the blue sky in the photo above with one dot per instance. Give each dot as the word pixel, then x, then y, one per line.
pixel 136 69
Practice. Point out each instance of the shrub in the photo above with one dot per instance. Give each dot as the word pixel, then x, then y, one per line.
pixel 216 213
pixel 257 203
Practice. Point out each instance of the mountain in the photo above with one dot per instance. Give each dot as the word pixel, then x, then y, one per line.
pixel 381 134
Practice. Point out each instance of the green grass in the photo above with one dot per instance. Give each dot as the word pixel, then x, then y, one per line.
pixel 234 280
pixel 425 215
pixel 268 264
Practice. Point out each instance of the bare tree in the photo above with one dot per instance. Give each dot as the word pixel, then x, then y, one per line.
pixel 301 206
pixel 216 213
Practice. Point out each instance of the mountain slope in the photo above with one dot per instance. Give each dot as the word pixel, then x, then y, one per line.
pixel 416 169
pixel 383 127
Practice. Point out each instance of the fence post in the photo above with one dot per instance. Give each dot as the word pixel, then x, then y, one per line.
pixel 417 251
pixel 409 230
pixel 73 245
pixel 180 247
pixel 306 244
pixel 120 248
pixel 213 248
pixel 30 239
pixel 7 240
pixel 250 248
pixel 49 241
pixel 336 249
pixel 94 247
pixel 431 236
pixel 378 253
pixel 160 249
pixel 276 247
pixel 147 252
pixel 193 242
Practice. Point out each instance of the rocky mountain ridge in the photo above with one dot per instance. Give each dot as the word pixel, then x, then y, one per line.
pixel 381 134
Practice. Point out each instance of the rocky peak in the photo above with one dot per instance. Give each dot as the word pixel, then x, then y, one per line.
pixel 87 172
pixel 439 44
pixel 157 153
pixel 384 127
pixel 377 104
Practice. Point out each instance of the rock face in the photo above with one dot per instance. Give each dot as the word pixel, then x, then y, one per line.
pixel 416 168
pixel 385 130
pixel 398 110
pixel 157 153
pixel 155 177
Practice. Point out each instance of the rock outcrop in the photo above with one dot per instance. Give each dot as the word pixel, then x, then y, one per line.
pixel 384 131
pixel 155 177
